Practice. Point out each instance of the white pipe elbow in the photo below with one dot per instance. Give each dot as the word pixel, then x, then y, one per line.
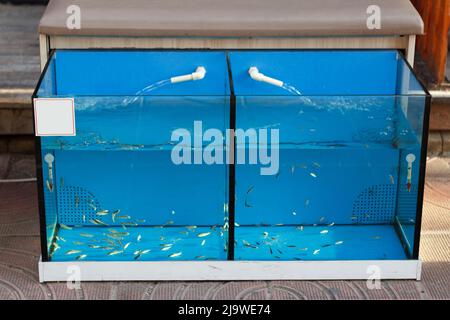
pixel 258 76
pixel 199 74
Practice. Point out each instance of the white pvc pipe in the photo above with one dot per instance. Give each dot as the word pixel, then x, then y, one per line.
pixel 258 76
pixel 199 74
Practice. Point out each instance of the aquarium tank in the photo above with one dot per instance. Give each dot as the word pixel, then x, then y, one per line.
pixel 345 132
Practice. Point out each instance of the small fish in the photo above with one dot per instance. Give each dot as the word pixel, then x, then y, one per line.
pixel 312 174
pixel 139 237
pixel 236 224
pixel 166 248
pixel 126 246
pixel 316 252
pixel 173 211
pixel 174 255
pixel 63 226
pixel 166 244
pixel 129 224
pixel 200 257
pixel 339 242
pixel 191 227
pixel 303 249
pixel 121 234
pixel 204 234
pixel 306 203
pixel 300 228
pixel 78 243
pixel 73 252
pixel 81 257
pixel 49 185
pixel 247 205
pixel 225 207
pixel 376 237
pixel 145 251
pixel 250 189
pixel 170 222
pixel 113 253
pixel 322 219
pixel 60 239
pixel 291 246
pixel 61 182
pixel 106 248
pixel 391 179
pixel 86 235
pixel 102 212
pixel 127 217
pixel 294 213
pixel 331 224
pixel 316 164
pixel 98 222
pixel 77 201
pixel 203 243
pixel 279 224
pixel 265 234
pixel 93 246
pixel 114 214
pixel 324 231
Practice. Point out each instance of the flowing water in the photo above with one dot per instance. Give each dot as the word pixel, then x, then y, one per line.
pixel 146 91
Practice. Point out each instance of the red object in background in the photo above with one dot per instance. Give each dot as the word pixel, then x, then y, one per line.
pixel 433 45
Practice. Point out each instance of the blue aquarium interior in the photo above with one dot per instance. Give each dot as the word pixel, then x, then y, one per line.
pixel 347 121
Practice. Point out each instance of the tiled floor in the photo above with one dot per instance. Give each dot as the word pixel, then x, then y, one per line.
pixel 19 253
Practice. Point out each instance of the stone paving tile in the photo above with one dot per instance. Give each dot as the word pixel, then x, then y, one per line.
pixel 436 279
pixel 238 290
pixel 19 253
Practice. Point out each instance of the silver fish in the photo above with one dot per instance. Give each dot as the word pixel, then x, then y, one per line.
pixel 63 226
pixel 204 234
pixel 73 252
pixel 102 212
pixel 98 222
pixel 174 255
pixel 113 253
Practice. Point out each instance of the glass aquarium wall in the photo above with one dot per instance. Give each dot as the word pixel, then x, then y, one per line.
pixel 350 127
pixel 330 165
pixel 114 191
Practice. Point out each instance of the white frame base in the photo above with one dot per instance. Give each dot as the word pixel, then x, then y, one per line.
pixel 228 270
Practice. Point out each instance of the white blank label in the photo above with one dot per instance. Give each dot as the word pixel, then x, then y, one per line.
pixel 54 116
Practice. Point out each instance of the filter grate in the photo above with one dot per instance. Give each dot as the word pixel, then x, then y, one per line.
pixel 76 205
pixel 375 205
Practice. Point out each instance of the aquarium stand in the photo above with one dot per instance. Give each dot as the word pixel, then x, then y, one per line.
pixel 229 270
